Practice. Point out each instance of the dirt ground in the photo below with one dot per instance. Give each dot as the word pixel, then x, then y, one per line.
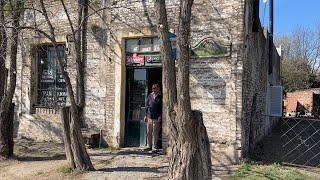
pixel 46 160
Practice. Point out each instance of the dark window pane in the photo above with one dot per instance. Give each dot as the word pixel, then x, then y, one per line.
pixel 51 85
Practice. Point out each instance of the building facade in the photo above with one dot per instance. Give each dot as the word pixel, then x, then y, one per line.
pixel 230 80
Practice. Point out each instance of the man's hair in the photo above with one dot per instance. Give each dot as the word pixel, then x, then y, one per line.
pixel 156 84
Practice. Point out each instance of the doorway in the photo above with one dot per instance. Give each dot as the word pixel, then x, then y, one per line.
pixel 139 83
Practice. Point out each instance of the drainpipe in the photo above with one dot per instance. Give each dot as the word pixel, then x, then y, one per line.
pixel 271 37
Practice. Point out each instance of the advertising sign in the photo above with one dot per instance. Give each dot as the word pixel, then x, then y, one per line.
pixel 153 60
pixel 135 60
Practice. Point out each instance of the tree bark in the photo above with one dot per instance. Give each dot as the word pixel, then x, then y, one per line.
pixel 5 105
pixel 3 51
pixel 65 118
pixel 76 152
pixel 10 130
pixel 81 158
pixel 190 156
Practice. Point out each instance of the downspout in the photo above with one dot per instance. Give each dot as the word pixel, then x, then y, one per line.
pixel 271 38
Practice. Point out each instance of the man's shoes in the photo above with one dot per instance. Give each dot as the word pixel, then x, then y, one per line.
pixel 155 150
pixel 147 149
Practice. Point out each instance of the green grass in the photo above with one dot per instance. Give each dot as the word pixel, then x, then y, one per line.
pixel 40 173
pixel 274 172
pixel 65 169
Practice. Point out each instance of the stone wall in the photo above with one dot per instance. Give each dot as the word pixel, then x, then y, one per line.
pixel 256 122
pixel 229 89
pixel 215 82
pixel 44 124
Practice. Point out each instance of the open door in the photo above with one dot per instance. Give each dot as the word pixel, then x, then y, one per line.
pixel 136 97
pixel 139 83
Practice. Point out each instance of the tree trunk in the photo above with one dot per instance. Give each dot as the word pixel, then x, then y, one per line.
pixel 66 117
pixel 190 153
pixel 5 105
pixel 168 68
pixel 3 50
pixel 76 152
pixel 190 156
pixel 10 130
pixel 80 156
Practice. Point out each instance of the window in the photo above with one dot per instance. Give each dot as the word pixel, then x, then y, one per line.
pixel 143 45
pixel 146 51
pixel 209 48
pixel 51 88
pixel 255 17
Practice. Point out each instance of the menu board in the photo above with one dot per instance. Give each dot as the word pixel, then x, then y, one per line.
pixel 51 85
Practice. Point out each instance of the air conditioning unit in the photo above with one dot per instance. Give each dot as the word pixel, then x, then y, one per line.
pixel 275 101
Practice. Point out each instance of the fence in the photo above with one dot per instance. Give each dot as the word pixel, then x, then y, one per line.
pixel 300 141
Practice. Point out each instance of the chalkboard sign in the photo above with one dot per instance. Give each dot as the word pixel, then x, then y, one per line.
pixel 51 85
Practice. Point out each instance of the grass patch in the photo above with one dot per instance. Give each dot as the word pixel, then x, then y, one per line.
pixel 65 169
pixel 40 173
pixel 274 171
pixel 19 149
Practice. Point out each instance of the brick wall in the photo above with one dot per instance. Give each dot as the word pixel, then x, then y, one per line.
pixel 304 98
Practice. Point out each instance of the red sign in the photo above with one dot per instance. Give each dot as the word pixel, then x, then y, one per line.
pixel 135 60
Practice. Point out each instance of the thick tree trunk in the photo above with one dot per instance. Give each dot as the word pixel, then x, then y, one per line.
pixel 3 50
pixel 80 156
pixel 76 153
pixel 190 156
pixel 10 130
pixel 6 123
pixel 6 137
pixel 65 118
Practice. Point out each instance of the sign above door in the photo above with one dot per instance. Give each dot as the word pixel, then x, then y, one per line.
pixel 135 60
pixel 153 60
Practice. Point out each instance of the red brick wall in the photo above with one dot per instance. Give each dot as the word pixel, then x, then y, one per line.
pixel 305 98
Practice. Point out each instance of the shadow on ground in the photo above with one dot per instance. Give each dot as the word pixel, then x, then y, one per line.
pixel 134 169
pixel 294 141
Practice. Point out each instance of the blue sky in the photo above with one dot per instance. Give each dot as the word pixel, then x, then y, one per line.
pixel 290 13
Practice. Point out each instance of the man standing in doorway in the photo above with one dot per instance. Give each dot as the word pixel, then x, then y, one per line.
pixel 153 117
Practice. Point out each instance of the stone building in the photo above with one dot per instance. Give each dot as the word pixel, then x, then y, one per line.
pixel 230 77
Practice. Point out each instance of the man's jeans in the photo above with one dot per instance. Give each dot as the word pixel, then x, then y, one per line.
pixel 153 128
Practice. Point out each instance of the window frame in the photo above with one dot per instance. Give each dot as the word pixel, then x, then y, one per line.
pixel 56 86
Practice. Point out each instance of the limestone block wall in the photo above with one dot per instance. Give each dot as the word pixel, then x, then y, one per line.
pixel 256 122
pixel 44 124
pixel 215 82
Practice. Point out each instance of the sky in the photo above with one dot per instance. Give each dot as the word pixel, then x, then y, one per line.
pixel 289 14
